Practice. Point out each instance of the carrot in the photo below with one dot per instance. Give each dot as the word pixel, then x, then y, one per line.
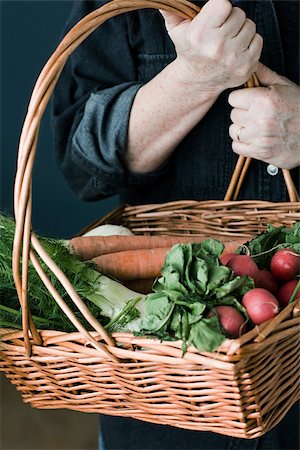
pixel 132 264
pixel 88 247
pixel 138 264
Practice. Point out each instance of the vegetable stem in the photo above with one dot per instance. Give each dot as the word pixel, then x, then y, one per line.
pixel 295 291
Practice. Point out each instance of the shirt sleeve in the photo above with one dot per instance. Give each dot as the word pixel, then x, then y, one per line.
pixel 91 108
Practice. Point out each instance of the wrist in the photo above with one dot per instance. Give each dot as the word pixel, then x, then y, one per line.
pixel 189 80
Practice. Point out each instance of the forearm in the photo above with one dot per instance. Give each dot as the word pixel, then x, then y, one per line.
pixel 163 112
pixel 218 49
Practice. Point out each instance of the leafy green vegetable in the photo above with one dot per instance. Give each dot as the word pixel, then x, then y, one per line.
pixel 193 281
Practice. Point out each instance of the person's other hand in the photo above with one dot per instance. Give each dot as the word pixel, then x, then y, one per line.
pixel 266 120
pixel 218 49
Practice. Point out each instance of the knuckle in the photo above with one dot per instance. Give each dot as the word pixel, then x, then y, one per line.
pixel 215 50
pixel 231 131
pixel 234 115
pixel 237 148
pixel 268 103
pixel 240 13
pixel 234 146
pixel 259 39
pixel 231 60
pixel 251 25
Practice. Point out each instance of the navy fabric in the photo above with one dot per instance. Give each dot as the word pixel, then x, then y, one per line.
pixel 119 433
pixel 91 108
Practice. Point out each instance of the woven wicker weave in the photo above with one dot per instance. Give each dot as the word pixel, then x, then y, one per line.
pixel 242 390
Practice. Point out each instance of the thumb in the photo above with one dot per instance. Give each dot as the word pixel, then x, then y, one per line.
pixel 267 77
pixel 171 20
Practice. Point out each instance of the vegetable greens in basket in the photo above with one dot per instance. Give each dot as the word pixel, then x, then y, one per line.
pixel 193 282
pixel 110 302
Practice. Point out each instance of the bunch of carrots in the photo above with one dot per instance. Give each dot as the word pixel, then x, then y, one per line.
pixel 135 260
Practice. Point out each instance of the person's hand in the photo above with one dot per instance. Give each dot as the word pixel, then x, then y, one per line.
pixel 218 49
pixel 266 120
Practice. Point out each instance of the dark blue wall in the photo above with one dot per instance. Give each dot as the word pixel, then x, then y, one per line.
pixel 30 32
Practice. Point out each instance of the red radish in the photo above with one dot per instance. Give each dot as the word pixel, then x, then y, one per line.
pixel 285 264
pixel 243 265
pixel 224 259
pixel 267 281
pixel 285 292
pixel 260 305
pixel 231 320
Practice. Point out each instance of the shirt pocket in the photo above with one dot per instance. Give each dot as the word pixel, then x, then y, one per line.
pixel 149 65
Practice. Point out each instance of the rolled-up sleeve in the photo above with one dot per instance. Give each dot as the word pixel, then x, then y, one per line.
pixel 101 138
pixel 91 109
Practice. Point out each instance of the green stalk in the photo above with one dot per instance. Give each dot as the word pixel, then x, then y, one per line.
pixel 115 301
pixel 38 320
pixel 114 323
pixel 6 324
pixel 295 292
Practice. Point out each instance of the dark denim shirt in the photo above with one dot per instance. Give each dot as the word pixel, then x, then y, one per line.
pixel 93 98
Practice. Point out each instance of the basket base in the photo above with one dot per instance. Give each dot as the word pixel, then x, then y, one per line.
pixel 179 393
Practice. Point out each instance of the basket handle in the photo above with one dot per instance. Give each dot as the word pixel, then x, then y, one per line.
pixel 25 241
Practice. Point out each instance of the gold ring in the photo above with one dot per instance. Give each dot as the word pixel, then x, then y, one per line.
pixel 238 134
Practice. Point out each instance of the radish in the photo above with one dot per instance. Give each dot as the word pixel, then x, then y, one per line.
pixel 267 281
pixel 285 264
pixel 285 292
pixel 260 305
pixel 231 320
pixel 244 265
pixel 224 259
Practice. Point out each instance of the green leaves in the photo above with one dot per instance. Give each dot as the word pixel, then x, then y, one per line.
pixel 206 335
pixel 193 281
pixel 158 310
pixel 265 245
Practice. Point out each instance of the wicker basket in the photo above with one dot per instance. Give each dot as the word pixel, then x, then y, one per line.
pixel 243 390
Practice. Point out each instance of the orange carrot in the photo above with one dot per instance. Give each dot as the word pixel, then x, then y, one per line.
pixel 139 264
pixel 132 264
pixel 88 247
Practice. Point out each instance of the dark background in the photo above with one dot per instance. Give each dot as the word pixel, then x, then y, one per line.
pixel 30 32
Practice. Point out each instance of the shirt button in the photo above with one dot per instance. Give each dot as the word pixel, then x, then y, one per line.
pixel 272 170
